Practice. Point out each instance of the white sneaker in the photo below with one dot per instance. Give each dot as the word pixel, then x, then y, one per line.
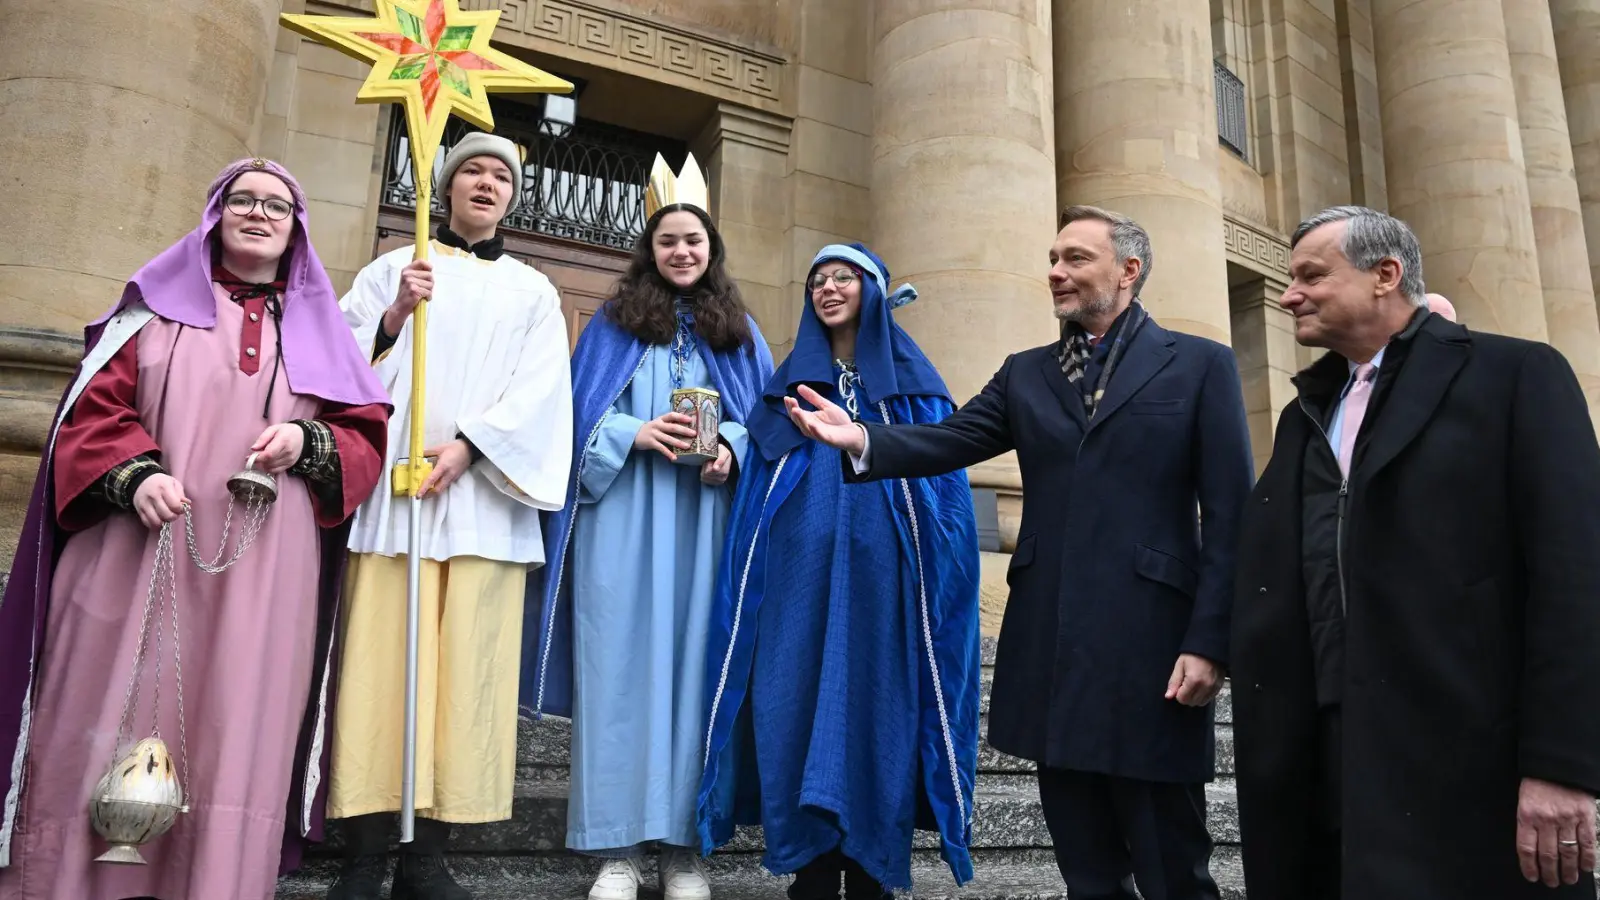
pixel 683 877
pixel 619 880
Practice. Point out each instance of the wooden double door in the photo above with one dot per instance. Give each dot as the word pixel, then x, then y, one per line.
pixel 583 275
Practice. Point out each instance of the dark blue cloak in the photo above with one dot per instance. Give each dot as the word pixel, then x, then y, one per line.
pixel 885 716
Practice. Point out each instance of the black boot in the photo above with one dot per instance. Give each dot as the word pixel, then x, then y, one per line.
pixel 366 858
pixel 858 885
pixel 421 874
pixel 818 879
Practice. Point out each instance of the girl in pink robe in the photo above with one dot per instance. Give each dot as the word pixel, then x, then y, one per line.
pixel 188 397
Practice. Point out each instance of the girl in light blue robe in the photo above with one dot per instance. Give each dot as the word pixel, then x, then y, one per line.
pixel 632 560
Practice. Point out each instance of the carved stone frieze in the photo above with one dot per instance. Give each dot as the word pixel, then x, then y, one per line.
pixel 724 68
pixel 1255 248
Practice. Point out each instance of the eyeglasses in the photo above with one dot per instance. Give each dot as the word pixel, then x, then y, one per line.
pixel 843 278
pixel 243 205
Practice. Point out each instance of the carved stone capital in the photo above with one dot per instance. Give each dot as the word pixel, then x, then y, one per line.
pixel 743 125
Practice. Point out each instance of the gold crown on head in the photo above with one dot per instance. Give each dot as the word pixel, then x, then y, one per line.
pixel 665 189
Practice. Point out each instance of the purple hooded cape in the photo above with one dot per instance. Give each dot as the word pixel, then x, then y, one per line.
pixel 320 359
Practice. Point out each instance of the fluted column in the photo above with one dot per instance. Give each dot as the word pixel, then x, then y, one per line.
pixel 961 92
pixel 1454 157
pixel 114 117
pixel 1569 303
pixel 1264 346
pixel 1577 33
pixel 1136 132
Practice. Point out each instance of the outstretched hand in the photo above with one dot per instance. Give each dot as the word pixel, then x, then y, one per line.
pixel 828 424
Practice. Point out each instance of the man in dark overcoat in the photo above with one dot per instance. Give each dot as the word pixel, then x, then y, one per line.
pixel 1418 600
pixel 1135 461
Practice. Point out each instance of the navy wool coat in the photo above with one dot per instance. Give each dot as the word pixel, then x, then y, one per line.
pixel 1125 556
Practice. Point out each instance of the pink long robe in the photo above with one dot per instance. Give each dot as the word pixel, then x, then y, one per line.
pixel 248 635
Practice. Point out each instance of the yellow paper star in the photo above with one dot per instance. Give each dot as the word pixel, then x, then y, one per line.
pixel 431 57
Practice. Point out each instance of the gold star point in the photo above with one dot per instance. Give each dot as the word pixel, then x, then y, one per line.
pixel 431 57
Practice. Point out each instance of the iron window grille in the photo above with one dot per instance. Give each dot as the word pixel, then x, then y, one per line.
pixel 1233 125
pixel 587 186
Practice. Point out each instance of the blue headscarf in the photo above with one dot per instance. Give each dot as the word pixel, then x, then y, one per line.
pixel 889 362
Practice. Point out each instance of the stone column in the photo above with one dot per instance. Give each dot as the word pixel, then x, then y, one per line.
pixel 1136 132
pixel 114 117
pixel 830 158
pixel 1569 307
pixel 961 91
pixel 269 133
pixel 745 153
pixel 1577 31
pixel 1263 342
pixel 1454 158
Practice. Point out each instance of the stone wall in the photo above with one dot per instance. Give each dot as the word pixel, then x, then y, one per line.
pixel 945 134
pixel 114 118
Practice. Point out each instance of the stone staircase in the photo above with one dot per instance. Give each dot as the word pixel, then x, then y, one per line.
pixel 525 859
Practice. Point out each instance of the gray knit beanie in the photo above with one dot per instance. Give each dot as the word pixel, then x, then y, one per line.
pixel 480 143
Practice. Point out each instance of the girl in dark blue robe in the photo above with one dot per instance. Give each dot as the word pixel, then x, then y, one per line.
pixel 844 657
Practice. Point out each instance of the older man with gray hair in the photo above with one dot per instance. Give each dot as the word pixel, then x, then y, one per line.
pixel 1417 602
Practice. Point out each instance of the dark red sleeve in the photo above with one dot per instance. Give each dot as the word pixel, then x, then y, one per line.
pixel 362 435
pixel 102 431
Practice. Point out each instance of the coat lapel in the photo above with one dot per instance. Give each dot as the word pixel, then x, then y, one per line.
pixel 1065 391
pixel 1435 358
pixel 1150 351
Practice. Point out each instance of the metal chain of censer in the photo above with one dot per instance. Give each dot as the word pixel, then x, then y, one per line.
pixel 141 795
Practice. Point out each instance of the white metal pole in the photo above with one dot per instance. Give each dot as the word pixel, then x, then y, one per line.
pixel 408 765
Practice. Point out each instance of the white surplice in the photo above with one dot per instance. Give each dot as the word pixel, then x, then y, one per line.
pixel 497 372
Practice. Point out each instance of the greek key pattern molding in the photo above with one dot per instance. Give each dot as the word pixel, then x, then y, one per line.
pixel 629 39
pixel 1268 253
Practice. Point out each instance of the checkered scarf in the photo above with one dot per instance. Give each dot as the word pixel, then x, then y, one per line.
pixel 1075 352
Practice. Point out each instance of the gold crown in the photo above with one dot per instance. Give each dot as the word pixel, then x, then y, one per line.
pixel 688 186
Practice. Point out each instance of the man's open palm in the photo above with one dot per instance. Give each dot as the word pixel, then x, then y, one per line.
pixel 829 424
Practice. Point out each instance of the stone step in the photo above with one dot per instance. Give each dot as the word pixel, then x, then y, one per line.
pixel 1007 816
pixel 547 743
pixel 997 875
pixel 544 751
pixel 992 760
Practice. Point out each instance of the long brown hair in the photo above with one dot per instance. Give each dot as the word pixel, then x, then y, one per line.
pixel 643 303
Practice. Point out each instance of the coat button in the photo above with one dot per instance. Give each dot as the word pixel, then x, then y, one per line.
pixel 256 317
pixel 1263 590
pixel 251 352
pixel 1265 499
